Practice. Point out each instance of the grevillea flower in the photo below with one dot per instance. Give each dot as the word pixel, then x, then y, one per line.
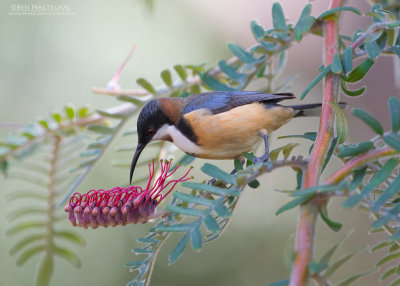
pixel 120 206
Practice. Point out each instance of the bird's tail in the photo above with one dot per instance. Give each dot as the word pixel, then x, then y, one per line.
pixel 313 109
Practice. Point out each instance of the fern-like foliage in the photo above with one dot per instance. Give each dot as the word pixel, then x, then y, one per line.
pixel 42 155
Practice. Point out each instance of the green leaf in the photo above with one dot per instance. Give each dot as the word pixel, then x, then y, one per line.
pixel 219 174
pixel 347 60
pixel 238 165
pixel 394 107
pixel 25 211
pixel 69 111
pixel 185 211
pixel 292 204
pixel 242 55
pixel 335 226
pixel 45 271
pixel 99 128
pixel 372 49
pixel 337 264
pixel 355 149
pixel 211 223
pixel 56 116
pixel 67 255
pixel 278 18
pixel 393 140
pixel 24 226
pixel 284 282
pixel 211 189
pixel 254 184
pixel 349 92
pixel 27 254
pixel 257 30
pixel 355 277
pixel 186 160
pixel 146 85
pixel 360 71
pixel 393 24
pixel 331 251
pixel 214 84
pixel 197 241
pixel 315 267
pixel 388 273
pixel 194 200
pixel 178 249
pixel 342 128
pixel 308 135
pixel 304 23
pixel 318 189
pixel 336 65
pixel 332 148
pixel 369 120
pixel 337 9
pixel 84 111
pixel 375 181
pixel 393 188
pixel 230 71
pixel 112 115
pixel 4 167
pixel 315 81
pixel 44 124
pixel 166 77
pixel 388 258
pixel 180 70
pixel 25 241
pixel 70 236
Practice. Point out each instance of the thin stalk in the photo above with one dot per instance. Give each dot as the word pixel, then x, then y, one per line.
pixel 309 212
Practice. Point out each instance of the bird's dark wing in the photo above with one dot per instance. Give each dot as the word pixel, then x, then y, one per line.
pixel 221 101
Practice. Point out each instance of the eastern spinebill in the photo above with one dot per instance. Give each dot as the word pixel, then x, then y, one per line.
pixel 217 124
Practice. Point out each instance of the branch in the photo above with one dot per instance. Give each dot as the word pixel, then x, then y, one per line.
pixel 308 212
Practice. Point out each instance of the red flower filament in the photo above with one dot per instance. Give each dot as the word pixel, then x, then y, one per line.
pixel 121 206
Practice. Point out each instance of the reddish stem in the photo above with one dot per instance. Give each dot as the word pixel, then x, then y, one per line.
pixel 308 212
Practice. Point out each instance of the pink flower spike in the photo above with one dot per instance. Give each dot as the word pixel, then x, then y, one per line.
pixel 121 206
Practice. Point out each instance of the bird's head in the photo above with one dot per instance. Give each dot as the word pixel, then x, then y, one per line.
pixel 151 125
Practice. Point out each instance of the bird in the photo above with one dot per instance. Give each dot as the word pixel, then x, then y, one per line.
pixel 216 124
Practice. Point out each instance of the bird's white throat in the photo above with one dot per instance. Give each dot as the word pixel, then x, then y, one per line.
pixel 170 132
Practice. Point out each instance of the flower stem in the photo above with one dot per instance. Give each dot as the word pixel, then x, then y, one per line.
pixel 309 212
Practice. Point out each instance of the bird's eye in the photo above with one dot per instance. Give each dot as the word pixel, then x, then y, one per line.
pixel 150 131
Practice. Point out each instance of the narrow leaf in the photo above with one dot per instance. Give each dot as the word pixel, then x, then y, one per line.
pixel 331 251
pixel 372 49
pixel 69 111
pixel 257 30
pixel 29 253
pixel 315 81
pixel 146 85
pixel 195 200
pixel 45 271
pixel 230 71
pixel 219 174
pixel 185 211
pixel 70 236
pixel 278 18
pixel 339 9
pixel 102 129
pixel 187 227
pixel 304 23
pixel 335 226
pixel 355 277
pixel 166 77
pixel 211 189
pixel 349 92
pixel 347 60
pixel 393 140
pixel 360 71
pixel 25 241
pixel 336 65
pixel 211 223
pixel 394 107
pixel 369 120
pixel 355 149
pixel 388 258
pixel 214 84
pixel 67 255
pixel 242 54
pixel 178 249
pixel 24 226
pixel 376 180
pixel 292 204
pixel 342 128
pixel 393 188
pixel 180 70
pixel 197 241
pixel 337 264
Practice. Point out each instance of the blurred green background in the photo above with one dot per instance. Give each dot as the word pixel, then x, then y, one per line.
pixel 48 61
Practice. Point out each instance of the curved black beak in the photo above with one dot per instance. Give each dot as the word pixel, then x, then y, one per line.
pixel 135 158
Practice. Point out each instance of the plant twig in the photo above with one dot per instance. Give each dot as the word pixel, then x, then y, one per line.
pixel 308 212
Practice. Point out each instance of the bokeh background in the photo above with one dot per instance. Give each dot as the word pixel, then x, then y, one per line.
pixel 49 61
